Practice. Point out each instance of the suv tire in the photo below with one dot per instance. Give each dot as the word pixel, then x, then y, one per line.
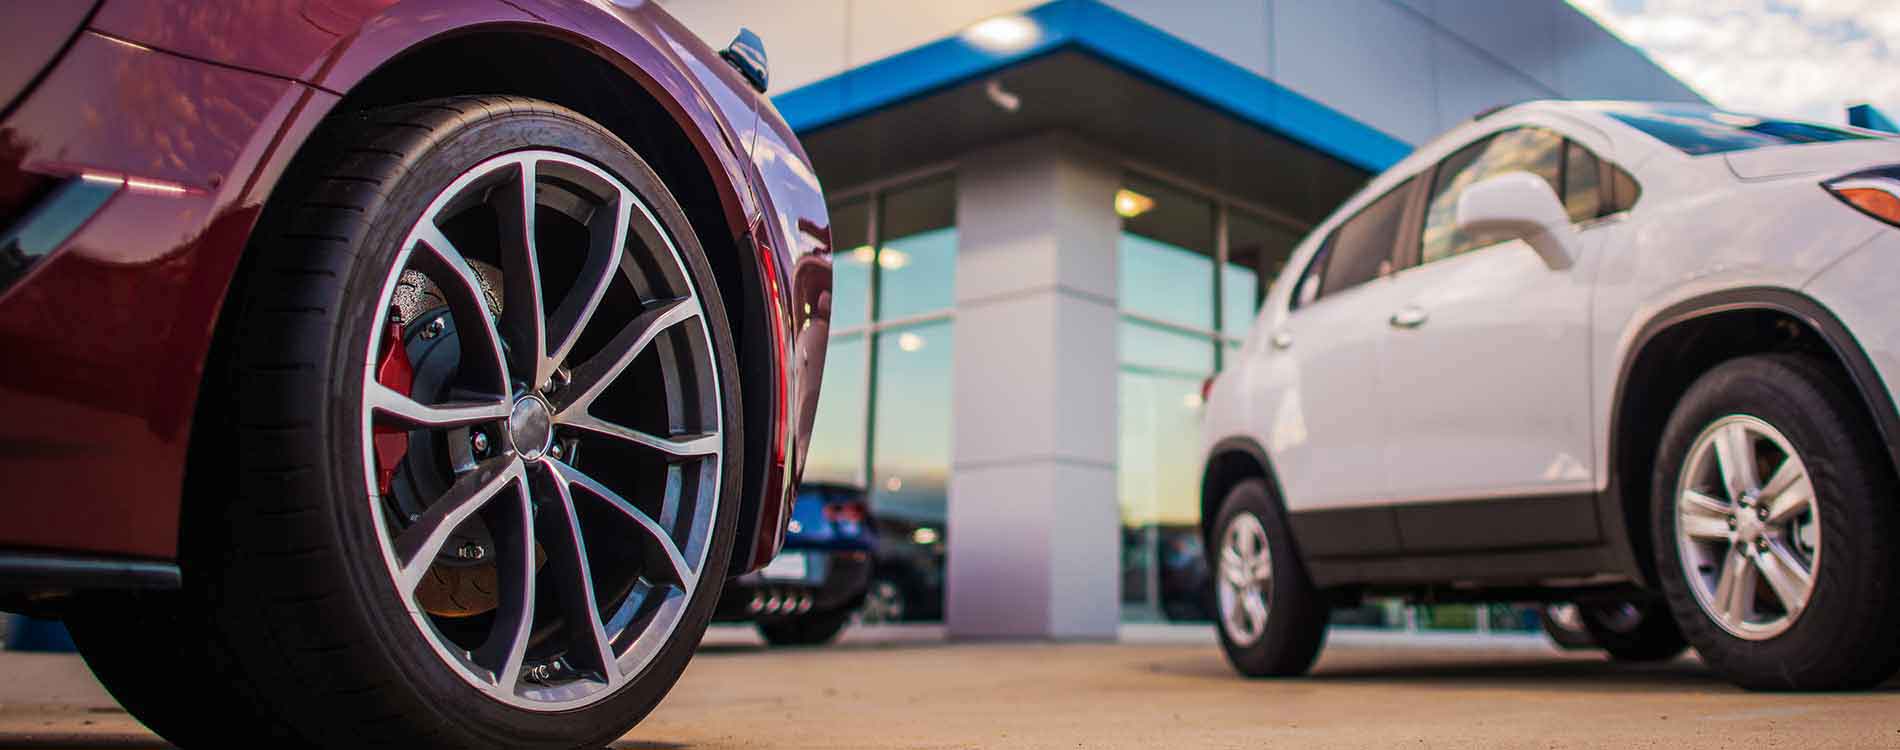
pixel 1842 634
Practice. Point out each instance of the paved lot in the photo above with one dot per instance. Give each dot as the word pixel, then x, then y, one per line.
pixel 1161 688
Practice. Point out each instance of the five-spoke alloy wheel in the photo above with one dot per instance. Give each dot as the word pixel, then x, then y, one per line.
pixel 1773 521
pixel 1272 618
pixel 1244 586
pixel 1750 542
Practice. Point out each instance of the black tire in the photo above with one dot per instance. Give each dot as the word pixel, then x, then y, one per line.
pixel 887 601
pixel 809 629
pixel 288 623
pixel 1633 632
pixel 1568 630
pixel 1297 612
pixel 1845 638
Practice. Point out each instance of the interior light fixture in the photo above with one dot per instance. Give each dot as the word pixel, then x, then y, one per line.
pixel 1131 204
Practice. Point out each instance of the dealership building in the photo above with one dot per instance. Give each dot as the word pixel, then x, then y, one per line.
pixel 1052 221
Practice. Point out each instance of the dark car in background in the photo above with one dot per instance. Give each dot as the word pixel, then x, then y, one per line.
pixel 406 370
pixel 807 594
pixel 908 583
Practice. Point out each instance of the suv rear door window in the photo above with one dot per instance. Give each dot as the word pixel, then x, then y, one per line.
pixel 1359 251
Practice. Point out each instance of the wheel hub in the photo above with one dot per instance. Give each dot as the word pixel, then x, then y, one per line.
pixel 531 427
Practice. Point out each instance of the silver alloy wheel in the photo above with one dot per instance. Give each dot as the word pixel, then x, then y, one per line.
pixel 1244 586
pixel 538 385
pixel 1737 530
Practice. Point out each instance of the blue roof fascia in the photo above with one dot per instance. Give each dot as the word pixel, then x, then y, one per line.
pixel 1117 38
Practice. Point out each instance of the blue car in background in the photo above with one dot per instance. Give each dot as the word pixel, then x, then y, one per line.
pixel 809 592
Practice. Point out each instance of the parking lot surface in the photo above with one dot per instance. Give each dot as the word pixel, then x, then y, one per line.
pixel 1160 687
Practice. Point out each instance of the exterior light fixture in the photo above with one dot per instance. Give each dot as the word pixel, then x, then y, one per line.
pixel 1003 34
pixel 891 260
pixel 910 342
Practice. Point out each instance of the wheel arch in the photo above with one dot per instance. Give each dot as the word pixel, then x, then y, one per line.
pixel 1231 461
pixel 1687 339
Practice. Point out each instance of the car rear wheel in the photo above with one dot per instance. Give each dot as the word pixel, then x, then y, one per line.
pixel 1633 632
pixel 481 433
pixel 1775 526
pixel 1272 621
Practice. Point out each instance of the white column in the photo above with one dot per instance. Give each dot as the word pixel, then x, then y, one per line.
pixel 1033 518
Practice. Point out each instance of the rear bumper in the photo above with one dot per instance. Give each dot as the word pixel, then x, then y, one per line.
pixel 106 323
pixel 835 580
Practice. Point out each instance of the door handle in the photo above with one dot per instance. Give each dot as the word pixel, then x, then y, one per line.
pixel 1282 340
pixel 1410 317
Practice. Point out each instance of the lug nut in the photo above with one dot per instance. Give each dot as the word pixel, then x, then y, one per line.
pixel 555 450
pixel 1762 544
pixel 1731 523
pixel 433 329
pixel 1761 512
pixel 478 440
pixel 471 551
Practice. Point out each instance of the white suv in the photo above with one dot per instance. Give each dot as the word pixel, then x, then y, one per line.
pixel 1637 357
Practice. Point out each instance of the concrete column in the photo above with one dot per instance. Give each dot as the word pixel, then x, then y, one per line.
pixel 1033 518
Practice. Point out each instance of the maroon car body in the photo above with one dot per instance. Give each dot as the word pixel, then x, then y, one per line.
pixel 181 116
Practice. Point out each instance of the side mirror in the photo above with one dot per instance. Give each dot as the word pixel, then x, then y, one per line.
pixel 1519 206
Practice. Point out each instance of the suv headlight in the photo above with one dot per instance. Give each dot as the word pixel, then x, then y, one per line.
pixel 1875 192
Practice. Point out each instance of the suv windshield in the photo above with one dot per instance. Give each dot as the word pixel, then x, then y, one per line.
pixel 1707 131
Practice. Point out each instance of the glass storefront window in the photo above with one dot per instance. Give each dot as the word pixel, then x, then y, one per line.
pixel 910 431
pixel 850 264
pixel 896 248
pixel 1167 255
pixel 837 436
pixel 1159 393
pixel 1256 251
pixel 917 258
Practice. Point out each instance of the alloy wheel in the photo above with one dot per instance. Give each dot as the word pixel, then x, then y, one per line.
pixel 1244 588
pixel 1748 527
pixel 542 430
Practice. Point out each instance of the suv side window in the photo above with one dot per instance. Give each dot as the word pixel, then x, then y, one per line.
pixel 1358 251
pixel 1534 150
pixel 1583 184
pixel 1594 188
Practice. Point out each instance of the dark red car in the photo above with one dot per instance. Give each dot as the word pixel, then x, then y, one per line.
pixel 400 372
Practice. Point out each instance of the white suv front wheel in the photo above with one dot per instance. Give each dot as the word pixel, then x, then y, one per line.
pixel 1775 526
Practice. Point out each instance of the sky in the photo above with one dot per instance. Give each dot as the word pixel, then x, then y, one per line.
pixel 1792 58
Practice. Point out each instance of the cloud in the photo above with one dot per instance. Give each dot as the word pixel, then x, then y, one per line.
pixel 1793 58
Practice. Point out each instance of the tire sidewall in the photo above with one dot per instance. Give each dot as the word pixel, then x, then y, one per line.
pixel 1782 394
pixel 432 169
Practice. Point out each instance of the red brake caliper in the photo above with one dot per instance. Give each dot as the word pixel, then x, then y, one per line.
pixel 395 373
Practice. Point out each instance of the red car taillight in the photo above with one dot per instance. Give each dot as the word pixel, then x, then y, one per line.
pixel 848 511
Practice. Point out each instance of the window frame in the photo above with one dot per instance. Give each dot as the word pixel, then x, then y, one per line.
pixel 873 328
pixel 1224 206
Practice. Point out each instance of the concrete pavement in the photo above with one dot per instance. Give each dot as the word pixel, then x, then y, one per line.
pixel 1161 687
